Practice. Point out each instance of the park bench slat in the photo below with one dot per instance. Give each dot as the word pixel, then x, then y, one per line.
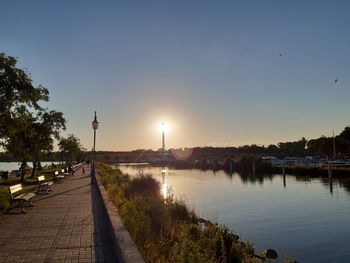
pixel 25 196
pixel 44 186
pixel 19 198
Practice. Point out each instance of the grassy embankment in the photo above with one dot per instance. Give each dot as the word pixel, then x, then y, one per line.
pixel 165 230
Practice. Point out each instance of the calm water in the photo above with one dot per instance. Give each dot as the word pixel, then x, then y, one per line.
pixel 307 218
pixel 15 166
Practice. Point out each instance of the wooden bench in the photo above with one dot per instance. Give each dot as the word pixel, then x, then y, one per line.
pixel 19 198
pixel 59 177
pixel 43 185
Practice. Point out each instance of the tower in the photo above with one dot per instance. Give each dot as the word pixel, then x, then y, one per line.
pixel 163 138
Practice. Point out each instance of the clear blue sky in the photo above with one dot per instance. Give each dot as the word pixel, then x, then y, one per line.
pixel 221 73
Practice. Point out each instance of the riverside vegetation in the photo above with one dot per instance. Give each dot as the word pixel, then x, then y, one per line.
pixel 164 229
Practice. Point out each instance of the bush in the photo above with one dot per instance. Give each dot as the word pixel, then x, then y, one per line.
pixel 179 212
pixel 144 185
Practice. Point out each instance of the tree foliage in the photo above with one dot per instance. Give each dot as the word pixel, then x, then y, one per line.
pixel 27 130
pixel 70 147
pixel 17 94
pixel 296 148
pixel 34 136
pixel 324 145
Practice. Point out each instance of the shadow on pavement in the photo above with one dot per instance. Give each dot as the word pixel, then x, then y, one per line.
pixel 51 195
pixel 104 251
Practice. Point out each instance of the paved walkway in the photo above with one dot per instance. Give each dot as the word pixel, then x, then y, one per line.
pixel 66 225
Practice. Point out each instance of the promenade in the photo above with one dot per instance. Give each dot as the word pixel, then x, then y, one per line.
pixel 66 225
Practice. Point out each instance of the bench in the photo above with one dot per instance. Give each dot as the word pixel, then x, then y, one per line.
pixel 43 185
pixel 59 177
pixel 19 198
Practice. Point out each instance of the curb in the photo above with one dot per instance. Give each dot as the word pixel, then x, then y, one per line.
pixel 124 247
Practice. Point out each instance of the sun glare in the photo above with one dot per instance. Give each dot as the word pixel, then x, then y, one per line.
pixel 164 127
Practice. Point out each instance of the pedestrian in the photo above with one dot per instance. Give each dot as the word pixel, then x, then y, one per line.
pixel 83 171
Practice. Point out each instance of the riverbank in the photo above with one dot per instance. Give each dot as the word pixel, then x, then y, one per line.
pixel 164 229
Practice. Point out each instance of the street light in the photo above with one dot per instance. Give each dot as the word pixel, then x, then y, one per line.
pixel 94 127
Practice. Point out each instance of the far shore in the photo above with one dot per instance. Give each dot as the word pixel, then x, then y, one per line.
pixel 297 170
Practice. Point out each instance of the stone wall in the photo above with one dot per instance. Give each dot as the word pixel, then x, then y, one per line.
pixel 124 246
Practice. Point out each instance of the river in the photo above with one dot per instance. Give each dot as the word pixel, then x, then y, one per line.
pixel 304 217
pixel 4 166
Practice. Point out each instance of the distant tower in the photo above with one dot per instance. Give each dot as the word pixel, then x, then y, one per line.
pixel 163 138
pixel 334 155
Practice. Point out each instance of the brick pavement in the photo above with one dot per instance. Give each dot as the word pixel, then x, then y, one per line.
pixel 66 225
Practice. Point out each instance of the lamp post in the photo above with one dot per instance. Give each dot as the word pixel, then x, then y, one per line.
pixel 94 127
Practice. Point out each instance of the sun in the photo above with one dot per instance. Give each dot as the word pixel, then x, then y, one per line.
pixel 164 127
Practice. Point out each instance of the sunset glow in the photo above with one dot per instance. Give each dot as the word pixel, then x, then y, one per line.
pixel 198 121
pixel 165 127
pixel 212 84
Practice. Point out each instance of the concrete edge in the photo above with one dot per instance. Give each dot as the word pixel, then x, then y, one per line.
pixel 124 247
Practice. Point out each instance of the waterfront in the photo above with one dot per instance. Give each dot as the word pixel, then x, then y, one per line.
pixel 299 216
pixel 9 166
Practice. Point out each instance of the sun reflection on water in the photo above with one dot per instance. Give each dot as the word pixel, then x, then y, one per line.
pixel 164 189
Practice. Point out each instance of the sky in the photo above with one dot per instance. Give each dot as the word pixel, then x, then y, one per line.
pixel 219 73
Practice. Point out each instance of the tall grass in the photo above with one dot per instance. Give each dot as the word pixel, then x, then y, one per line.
pixel 165 230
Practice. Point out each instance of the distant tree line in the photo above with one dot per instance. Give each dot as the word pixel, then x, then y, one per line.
pixel 322 146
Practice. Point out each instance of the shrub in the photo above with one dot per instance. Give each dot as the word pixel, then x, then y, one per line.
pixel 179 212
pixel 145 185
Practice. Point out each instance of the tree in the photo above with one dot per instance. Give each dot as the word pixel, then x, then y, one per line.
pixel 70 147
pixel 14 143
pixel 17 94
pixel 27 130
pixel 300 146
pixel 321 146
pixel 296 148
pixel 35 137
pixel 342 141
pixel 273 149
pixel 44 130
